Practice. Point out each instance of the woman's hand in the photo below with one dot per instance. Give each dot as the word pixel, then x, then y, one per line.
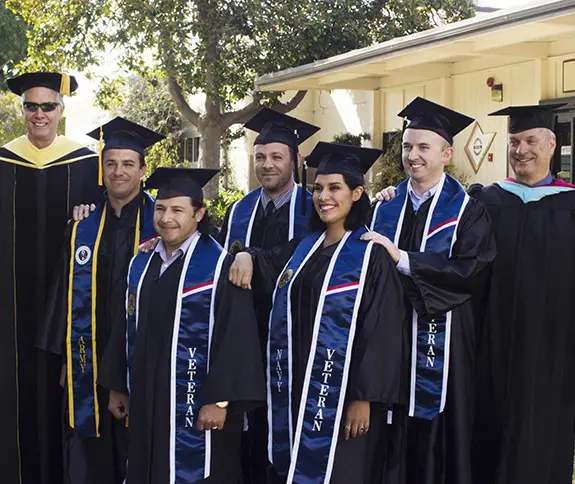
pixel 392 250
pixel 357 419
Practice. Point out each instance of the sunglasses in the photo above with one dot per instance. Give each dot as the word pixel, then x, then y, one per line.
pixel 45 107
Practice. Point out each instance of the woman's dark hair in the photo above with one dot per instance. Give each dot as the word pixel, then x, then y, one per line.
pixel 358 215
pixel 204 224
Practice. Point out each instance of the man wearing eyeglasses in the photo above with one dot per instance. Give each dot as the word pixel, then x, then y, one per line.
pixel 42 176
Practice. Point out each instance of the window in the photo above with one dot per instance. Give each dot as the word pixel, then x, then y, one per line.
pixel 192 149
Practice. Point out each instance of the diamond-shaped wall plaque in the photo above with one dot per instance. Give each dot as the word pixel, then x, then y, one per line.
pixel 478 146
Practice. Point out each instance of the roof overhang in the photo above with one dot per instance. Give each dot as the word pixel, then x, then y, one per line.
pixel 537 31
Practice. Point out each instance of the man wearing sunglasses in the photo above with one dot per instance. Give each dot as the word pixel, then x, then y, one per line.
pixel 42 176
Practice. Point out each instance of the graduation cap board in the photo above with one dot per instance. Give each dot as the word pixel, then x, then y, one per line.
pixel 522 118
pixel 180 182
pixel 123 134
pixel 330 158
pixel 59 82
pixel 425 114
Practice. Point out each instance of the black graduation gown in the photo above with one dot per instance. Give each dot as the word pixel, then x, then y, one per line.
pixel 95 460
pixel 377 354
pixel 270 231
pixel 526 397
pixel 236 374
pixel 439 451
pixel 35 205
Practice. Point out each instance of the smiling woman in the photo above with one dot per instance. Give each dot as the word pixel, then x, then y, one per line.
pixel 328 308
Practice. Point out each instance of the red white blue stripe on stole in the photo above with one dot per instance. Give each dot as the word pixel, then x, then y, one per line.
pixel 196 289
pixel 352 286
pixel 445 225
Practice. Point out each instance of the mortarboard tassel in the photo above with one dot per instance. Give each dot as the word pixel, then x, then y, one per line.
pixel 304 188
pixel 65 85
pixel 296 168
pixel 100 168
pixel 403 128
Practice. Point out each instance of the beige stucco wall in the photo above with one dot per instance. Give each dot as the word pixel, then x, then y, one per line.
pixel 465 90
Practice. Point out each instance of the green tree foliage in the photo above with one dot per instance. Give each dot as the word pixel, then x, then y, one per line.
pixel 148 104
pixel 351 139
pixel 12 125
pixel 218 47
pixel 13 43
pixel 217 207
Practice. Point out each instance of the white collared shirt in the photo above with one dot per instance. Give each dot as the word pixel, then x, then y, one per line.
pixel 403 265
pixel 418 200
pixel 176 254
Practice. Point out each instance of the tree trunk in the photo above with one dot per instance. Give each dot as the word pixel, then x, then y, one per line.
pixel 210 145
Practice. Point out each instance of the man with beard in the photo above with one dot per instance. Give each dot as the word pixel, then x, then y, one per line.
pixel 267 218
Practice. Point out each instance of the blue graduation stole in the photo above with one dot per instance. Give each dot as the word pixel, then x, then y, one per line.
pixel 431 341
pixel 190 449
pixel 307 456
pixel 81 344
pixel 243 214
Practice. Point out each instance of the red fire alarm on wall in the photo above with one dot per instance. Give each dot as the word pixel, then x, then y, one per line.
pixel 490 157
pixel 496 90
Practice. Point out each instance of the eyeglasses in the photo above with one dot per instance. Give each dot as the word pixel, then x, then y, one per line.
pixel 45 107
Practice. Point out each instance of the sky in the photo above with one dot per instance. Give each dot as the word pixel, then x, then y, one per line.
pixel 84 120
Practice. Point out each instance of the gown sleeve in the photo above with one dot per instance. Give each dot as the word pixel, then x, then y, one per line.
pixel 51 335
pixel 438 282
pixel 112 371
pixel 268 264
pixel 236 370
pixel 378 354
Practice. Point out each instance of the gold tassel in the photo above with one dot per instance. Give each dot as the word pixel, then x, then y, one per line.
pixel 100 166
pixel 65 85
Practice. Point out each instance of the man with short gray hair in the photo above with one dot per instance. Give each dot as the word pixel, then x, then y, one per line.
pixel 42 176
pixel 526 369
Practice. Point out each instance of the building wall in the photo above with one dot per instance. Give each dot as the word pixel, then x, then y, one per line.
pixel 375 112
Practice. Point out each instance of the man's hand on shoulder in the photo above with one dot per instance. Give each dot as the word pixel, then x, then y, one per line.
pixel 385 195
pixel 150 245
pixel 80 212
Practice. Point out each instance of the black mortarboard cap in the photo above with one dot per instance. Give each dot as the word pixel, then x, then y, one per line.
pixel 180 182
pixel 424 114
pixel 123 135
pixel 352 160
pixel 522 118
pixel 59 82
pixel 274 127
